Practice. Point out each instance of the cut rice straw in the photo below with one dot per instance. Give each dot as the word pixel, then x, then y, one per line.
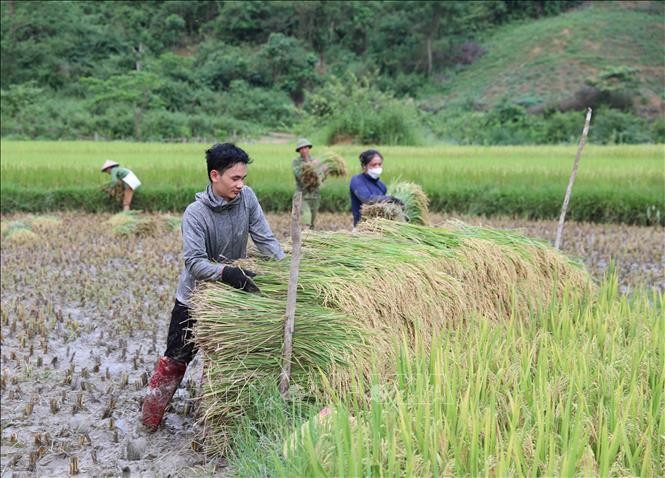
pixel 358 292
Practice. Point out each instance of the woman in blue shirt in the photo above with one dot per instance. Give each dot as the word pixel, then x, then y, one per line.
pixel 366 187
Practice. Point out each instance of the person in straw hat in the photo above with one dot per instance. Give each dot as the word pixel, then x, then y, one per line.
pixel 123 183
pixel 215 229
pixel 366 187
pixel 309 174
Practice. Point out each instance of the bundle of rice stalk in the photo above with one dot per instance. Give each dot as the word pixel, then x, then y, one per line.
pixel 173 223
pixel 20 236
pixel 311 176
pixel 44 223
pixel 385 210
pixel 357 293
pixel 416 202
pixel 333 164
pixel 7 226
pixel 131 223
pixel 115 192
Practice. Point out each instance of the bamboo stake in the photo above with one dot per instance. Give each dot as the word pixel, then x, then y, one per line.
pixel 569 189
pixel 289 317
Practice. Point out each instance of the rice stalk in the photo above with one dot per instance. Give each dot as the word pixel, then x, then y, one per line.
pixel 173 223
pixel 385 210
pixel 333 164
pixel 44 223
pixel 414 209
pixel 575 391
pixel 131 223
pixel 311 175
pixel 357 293
pixel 416 202
pixel 21 236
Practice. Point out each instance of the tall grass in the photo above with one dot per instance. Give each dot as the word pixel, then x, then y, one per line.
pixel 614 183
pixel 578 389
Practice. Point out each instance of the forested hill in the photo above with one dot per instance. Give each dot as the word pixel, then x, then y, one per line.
pixel 373 72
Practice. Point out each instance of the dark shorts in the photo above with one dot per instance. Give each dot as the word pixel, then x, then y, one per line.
pixel 179 344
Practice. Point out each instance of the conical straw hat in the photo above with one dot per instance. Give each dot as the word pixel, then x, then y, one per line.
pixel 108 164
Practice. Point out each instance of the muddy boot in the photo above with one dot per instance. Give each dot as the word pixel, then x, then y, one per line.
pixel 163 384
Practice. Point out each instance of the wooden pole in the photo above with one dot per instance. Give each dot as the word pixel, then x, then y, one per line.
pixel 569 189
pixel 289 317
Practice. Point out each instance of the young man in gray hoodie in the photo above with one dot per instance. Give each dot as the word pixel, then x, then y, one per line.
pixel 215 228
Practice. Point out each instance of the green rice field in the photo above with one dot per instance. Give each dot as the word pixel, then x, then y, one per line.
pixel 575 391
pixel 614 183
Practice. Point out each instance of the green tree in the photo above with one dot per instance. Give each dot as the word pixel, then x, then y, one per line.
pixel 15 100
pixel 288 64
pixel 135 89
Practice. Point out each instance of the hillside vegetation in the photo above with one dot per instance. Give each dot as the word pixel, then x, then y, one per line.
pixel 547 61
pixel 498 72
pixel 535 78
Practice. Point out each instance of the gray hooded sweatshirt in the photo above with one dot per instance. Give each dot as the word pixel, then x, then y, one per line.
pixel 215 230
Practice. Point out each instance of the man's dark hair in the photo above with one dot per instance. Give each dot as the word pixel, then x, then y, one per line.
pixel 224 155
pixel 366 156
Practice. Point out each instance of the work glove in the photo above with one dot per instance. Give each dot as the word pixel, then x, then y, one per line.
pixel 239 278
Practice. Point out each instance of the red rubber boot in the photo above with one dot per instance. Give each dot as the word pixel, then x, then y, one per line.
pixel 163 384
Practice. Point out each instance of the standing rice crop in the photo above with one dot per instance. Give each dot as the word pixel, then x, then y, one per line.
pixel 579 390
pixel 357 293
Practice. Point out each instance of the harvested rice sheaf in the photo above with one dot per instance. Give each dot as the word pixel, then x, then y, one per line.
pixel 172 223
pixel 9 226
pixel 19 232
pixel 311 176
pixel 357 294
pixel 415 208
pixel 20 236
pixel 385 210
pixel 44 223
pixel 333 164
pixel 129 223
pixel 416 202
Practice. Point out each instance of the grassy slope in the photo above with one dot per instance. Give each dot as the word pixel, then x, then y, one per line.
pixel 614 183
pixel 549 59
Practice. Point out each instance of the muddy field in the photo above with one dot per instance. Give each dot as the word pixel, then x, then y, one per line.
pixel 84 318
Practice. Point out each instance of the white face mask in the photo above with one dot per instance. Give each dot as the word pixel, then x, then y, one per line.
pixel 374 173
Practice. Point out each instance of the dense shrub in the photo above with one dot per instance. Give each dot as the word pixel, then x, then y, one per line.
pixel 356 111
pixel 510 124
pixel 266 107
pixel 610 126
pixel 160 125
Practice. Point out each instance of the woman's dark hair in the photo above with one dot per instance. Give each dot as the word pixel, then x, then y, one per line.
pixel 366 156
pixel 224 155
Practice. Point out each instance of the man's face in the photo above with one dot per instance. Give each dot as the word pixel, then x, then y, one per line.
pixel 229 183
pixel 304 152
